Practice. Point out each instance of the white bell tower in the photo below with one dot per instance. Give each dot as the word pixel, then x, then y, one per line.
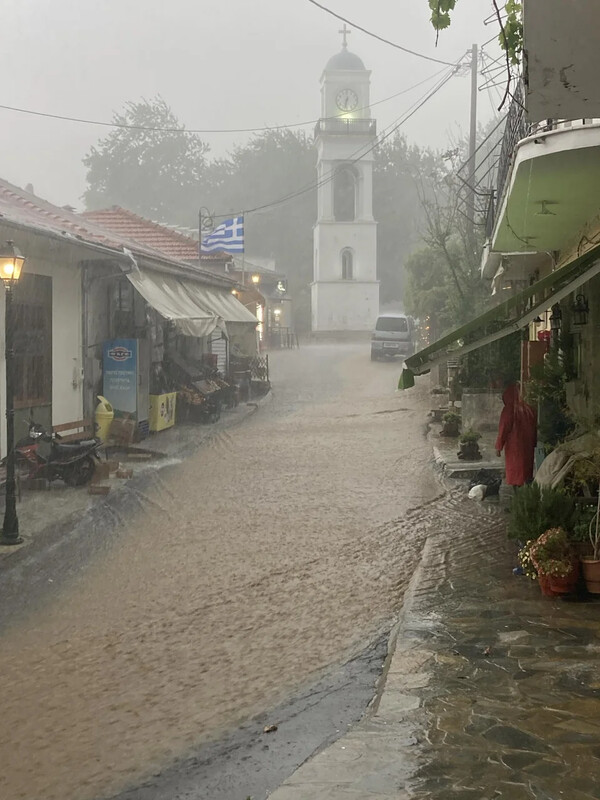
pixel 345 289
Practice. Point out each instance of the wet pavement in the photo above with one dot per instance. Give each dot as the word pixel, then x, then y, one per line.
pixel 42 511
pixel 217 588
pixel 492 691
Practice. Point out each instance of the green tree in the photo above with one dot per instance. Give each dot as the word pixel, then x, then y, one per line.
pixel 443 279
pixel 428 292
pixel 157 173
pixel 396 207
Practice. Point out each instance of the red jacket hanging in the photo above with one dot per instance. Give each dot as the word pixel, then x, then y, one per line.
pixel 517 436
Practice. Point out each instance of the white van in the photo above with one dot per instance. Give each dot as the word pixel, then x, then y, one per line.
pixel 393 336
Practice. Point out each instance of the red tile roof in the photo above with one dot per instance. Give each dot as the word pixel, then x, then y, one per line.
pixel 23 208
pixel 26 210
pixel 170 242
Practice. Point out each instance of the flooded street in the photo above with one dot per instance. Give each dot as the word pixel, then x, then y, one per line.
pixel 269 555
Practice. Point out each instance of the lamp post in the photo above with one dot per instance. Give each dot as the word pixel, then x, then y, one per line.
pixel 11 264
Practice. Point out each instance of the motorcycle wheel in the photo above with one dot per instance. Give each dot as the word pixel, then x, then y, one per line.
pixel 81 472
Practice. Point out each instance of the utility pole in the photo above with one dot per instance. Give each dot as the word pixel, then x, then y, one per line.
pixel 472 148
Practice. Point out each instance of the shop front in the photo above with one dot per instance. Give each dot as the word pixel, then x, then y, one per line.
pixel 167 342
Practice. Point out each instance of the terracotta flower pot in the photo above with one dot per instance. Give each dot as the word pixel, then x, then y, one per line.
pixel 567 584
pixel 545 587
pixel 591 573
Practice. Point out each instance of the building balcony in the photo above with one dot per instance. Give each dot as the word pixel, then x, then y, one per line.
pixel 547 189
pixel 346 126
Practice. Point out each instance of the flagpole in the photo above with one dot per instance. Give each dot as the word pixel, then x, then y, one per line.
pixel 244 250
pixel 199 236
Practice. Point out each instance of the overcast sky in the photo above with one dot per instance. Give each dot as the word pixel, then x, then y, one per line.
pixel 226 64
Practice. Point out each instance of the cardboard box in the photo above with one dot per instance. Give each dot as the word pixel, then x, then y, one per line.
pixel 123 431
pixel 101 472
pixel 97 489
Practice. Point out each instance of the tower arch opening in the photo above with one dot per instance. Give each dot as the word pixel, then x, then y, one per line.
pixel 347 264
pixel 345 193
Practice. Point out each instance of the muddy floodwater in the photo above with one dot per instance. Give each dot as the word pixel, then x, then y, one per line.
pixel 269 555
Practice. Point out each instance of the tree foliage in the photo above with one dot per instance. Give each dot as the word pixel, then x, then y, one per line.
pixel 427 291
pixel 397 209
pixel 440 13
pixel 511 29
pixel 156 173
pixel 271 167
pixel 451 280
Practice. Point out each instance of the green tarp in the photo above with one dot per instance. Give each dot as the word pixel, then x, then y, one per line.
pixel 407 380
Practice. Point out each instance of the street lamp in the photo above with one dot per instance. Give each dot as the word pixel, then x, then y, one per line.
pixel 555 318
pixel 11 264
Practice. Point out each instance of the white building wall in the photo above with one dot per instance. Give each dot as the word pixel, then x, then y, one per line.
pixel 45 257
pixel 333 237
pixel 344 305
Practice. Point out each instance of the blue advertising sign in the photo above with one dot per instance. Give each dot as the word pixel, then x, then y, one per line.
pixel 120 374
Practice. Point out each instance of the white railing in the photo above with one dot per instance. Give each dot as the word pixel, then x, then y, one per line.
pixel 346 126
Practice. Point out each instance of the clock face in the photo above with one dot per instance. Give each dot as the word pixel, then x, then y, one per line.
pixel 346 100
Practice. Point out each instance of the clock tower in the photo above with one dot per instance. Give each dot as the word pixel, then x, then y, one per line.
pixel 345 289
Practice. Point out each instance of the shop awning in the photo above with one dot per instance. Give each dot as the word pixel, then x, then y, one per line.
pixel 226 305
pixel 536 299
pixel 178 300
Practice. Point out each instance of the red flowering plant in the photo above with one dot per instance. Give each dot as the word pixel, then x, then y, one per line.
pixel 551 554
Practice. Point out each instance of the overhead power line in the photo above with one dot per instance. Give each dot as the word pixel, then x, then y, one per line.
pixel 380 38
pixel 158 128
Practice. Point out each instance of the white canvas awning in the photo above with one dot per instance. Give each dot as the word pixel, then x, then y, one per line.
pixel 178 300
pixel 195 309
pixel 227 306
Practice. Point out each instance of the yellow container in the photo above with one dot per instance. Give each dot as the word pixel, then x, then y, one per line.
pixel 103 417
pixel 162 411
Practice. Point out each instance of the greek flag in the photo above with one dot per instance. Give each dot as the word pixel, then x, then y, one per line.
pixel 228 237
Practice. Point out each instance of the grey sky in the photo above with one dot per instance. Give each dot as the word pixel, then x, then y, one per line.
pixel 219 65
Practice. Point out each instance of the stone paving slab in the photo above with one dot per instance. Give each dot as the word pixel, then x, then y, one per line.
pixel 492 690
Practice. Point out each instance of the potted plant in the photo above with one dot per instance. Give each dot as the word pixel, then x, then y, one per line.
pixel 534 510
pixel 550 558
pixel 451 424
pixel 591 563
pixel 469 447
pixel 555 560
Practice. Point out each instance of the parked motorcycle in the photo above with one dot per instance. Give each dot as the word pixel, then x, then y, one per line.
pixel 72 462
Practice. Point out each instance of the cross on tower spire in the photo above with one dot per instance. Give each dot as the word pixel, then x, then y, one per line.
pixel 345 31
